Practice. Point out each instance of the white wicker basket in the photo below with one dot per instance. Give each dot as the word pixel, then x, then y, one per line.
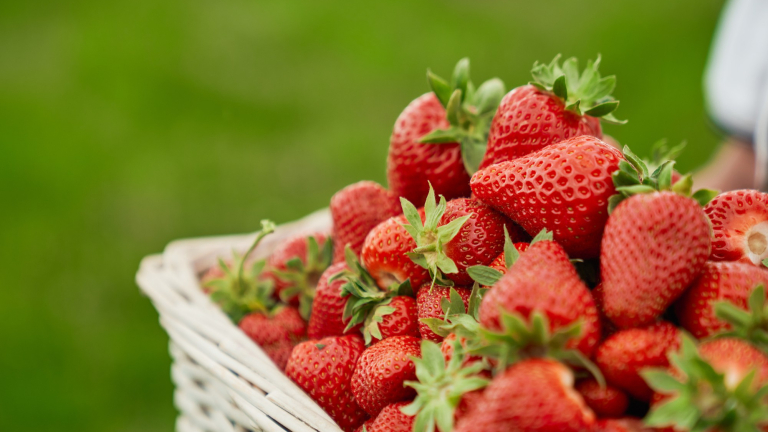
pixel 224 381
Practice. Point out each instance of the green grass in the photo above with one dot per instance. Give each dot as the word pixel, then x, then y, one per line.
pixel 127 124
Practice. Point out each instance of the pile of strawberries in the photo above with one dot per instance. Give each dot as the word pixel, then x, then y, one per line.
pixel 519 274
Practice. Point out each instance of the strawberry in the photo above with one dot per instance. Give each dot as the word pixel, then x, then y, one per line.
pixel 239 289
pixel 296 266
pixel 429 305
pixel 605 401
pixel 537 284
pixel 440 137
pixel 323 368
pixel 655 243
pixel 355 210
pixel 390 419
pixel 276 334
pixel 385 254
pixel 559 104
pixel 534 395
pixel 455 235
pixel 381 371
pixel 720 386
pixel 563 187
pixel 740 225
pixel 328 307
pixel 442 387
pixel 487 276
pixel 381 313
pixel 623 355
pixel 626 424
pixel 720 281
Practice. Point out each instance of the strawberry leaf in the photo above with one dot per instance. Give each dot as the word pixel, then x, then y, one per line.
pixel 440 386
pixel 584 93
pixel 484 275
pixel 439 87
pixel 241 291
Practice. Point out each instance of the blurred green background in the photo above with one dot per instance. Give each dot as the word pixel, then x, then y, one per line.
pixel 127 124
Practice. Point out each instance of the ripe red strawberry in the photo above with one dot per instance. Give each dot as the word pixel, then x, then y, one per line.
pixel 740 224
pixel 276 334
pixel 432 145
pixel 716 387
pixel 385 251
pixel 454 236
pixel 380 313
pixel 323 368
pixel 606 401
pixel 328 307
pixel 538 282
pixel 561 104
pixel 381 371
pixel 622 356
pixel 429 306
pixel 720 281
pixel 626 424
pixel 355 210
pixel 654 246
pixel 564 188
pixel 403 321
pixel 390 419
pixel 533 395
pixel 296 266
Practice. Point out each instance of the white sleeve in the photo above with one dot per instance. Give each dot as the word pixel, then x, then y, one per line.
pixel 736 80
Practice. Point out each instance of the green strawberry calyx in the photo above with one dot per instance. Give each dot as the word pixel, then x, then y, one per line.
pixel 463 322
pixel 430 238
pixel 242 290
pixel 468 110
pixel 634 177
pixel 750 325
pixel 441 385
pixel 367 303
pixel 522 338
pixel 302 276
pixel 584 93
pixel 488 276
pixel 703 399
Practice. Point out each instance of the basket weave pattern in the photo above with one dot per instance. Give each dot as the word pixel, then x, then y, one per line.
pixel 224 381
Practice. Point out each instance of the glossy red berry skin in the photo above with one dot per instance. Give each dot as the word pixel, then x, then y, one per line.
pixel 381 371
pixel 606 402
pixel 404 321
pixel 479 240
pixel 623 355
pixel 428 301
pixel 539 281
pixel 276 335
pixel 412 166
pixel 355 210
pixel 720 281
pixel 740 226
pixel 328 306
pixel 323 369
pixel 391 419
pixel 385 257
pixel 564 188
pixel 654 247
pixel 533 395
pixel 529 119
